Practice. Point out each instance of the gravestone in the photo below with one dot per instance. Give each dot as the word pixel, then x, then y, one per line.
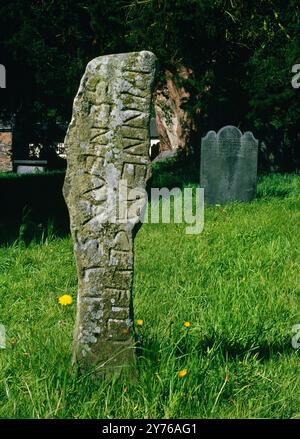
pixel 228 166
pixel 107 146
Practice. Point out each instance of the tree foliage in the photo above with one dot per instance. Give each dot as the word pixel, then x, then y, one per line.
pixel 241 53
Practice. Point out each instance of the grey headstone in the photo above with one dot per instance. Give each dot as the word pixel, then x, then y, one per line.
pixel 228 166
pixel 107 142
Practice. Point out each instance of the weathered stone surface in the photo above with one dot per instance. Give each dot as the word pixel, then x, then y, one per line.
pixel 228 166
pixel 107 141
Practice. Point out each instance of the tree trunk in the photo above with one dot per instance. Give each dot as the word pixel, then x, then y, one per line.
pixel 174 123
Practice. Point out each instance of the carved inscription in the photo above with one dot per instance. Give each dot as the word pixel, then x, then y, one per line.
pixel 107 141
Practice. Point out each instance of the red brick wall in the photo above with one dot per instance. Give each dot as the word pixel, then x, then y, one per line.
pixel 5 152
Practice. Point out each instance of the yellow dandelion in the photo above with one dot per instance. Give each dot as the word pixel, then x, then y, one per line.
pixel 182 373
pixel 66 299
pixel 139 322
pixel 187 324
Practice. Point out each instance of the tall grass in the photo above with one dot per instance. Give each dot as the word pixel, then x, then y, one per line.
pixel 237 283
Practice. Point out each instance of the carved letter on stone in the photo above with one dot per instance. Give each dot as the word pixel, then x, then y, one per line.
pixel 107 146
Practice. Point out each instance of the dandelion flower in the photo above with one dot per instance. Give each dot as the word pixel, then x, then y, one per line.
pixel 139 322
pixel 187 324
pixel 66 299
pixel 182 373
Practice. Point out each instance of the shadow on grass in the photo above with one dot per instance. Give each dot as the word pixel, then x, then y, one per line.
pixel 174 172
pixel 151 349
pixel 278 185
pixel 32 207
pixel 32 227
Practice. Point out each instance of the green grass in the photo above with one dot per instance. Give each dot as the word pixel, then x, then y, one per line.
pixel 238 285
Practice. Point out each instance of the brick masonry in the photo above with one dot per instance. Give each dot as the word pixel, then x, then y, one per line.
pixel 5 151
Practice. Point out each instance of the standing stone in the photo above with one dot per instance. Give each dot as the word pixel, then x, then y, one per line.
pixel 107 144
pixel 228 166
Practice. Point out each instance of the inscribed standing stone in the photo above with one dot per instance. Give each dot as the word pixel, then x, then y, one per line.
pixel 107 144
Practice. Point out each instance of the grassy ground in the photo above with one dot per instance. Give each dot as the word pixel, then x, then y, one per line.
pixel 237 283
